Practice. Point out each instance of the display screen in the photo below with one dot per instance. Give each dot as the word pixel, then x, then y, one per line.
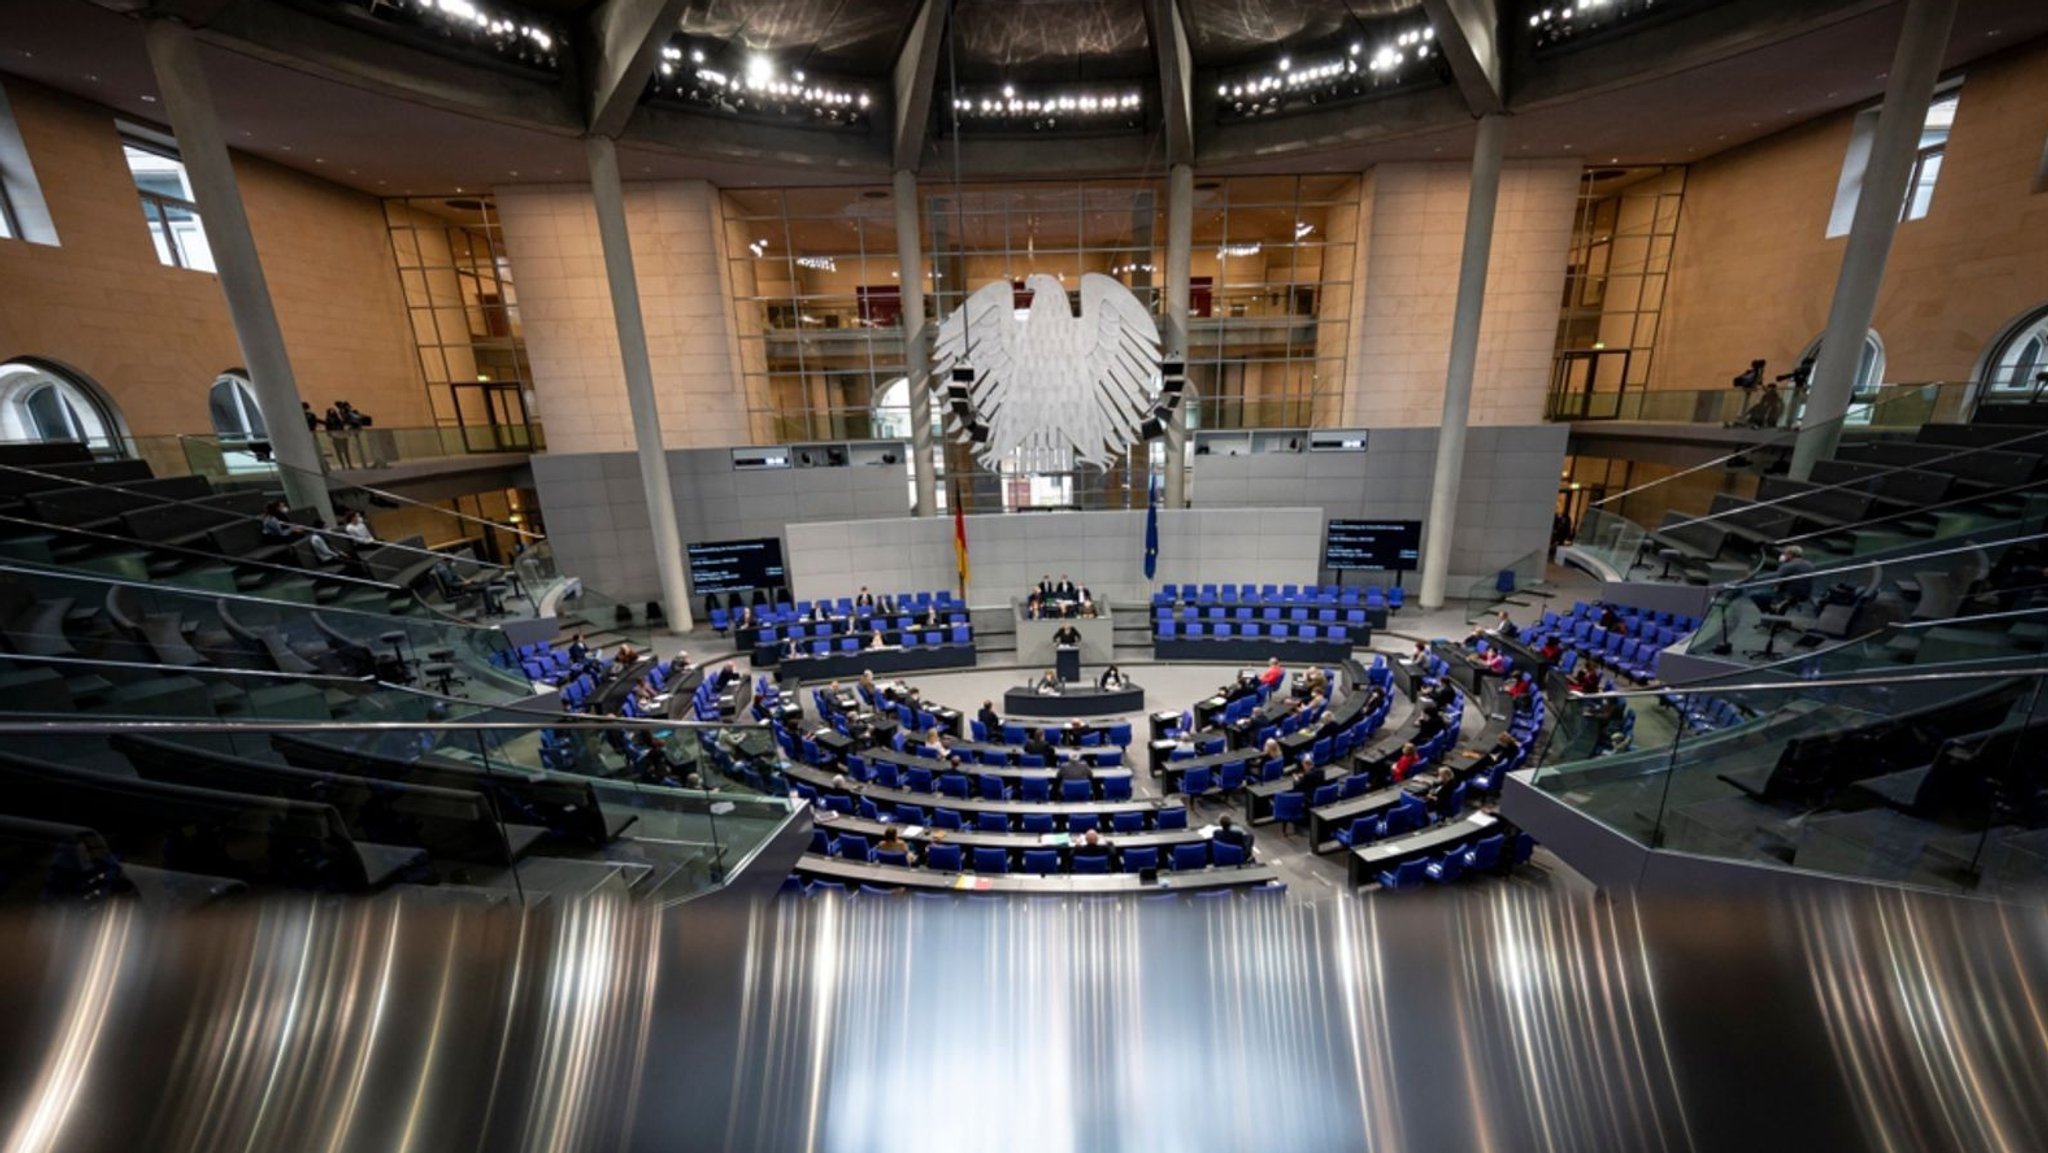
pixel 724 566
pixel 1373 544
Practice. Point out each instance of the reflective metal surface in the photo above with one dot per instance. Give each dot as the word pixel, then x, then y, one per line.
pixel 1489 1017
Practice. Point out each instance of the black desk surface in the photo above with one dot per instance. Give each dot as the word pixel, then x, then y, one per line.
pixel 1076 701
pixel 1248 649
pixel 1368 861
pixel 894 877
pixel 1323 823
pixel 823 780
pixel 969 768
pixel 971 838
pixel 848 666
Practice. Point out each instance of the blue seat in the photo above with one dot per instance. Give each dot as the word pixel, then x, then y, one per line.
pixel 909 815
pixel 899 859
pixel 1289 809
pixel 1189 858
pixel 991 860
pixel 854 847
pixel 1485 854
pixel 1361 831
pixel 1036 790
pixel 1013 734
pixel 919 780
pixel 1446 869
pixel 1078 823
pixel 1225 855
pixel 1116 787
pixel 1040 823
pixel 955 785
pixel 1130 821
pixel 1137 860
pixel 1120 735
pixel 977 731
pixel 1198 782
pixel 992 822
pixel 993 788
pixel 1405 876
pixel 1043 862
pixel 947 819
pixel 1077 792
pixel 1324 795
pixel 1091 863
pixel 1167 819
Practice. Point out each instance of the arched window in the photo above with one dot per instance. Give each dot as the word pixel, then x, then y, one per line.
pixel 40 402
pixel 236 418
pixel 1863 390
pixel 2019 356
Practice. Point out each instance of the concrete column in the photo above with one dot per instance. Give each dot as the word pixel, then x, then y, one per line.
pixel 1180 230
pixel 664 539
pixel 174 55
pixel 1916 65
pixel 917 359
pixel 1438 530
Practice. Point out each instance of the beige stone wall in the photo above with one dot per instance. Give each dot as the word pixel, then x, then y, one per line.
pixel 551 237
pixel 154 337
pixel 1754 272
pixel 1410 246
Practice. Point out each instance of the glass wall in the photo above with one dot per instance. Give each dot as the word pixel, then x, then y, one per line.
pixel 818 294
pixel 465 319
pixel 1614 288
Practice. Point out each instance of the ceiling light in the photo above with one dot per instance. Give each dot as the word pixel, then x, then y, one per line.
pixel 760 70
pixel 148 99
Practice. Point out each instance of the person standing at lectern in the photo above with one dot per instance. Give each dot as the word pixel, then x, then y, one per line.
pixel 1067 635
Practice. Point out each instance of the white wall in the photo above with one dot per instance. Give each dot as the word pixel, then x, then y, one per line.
pixel 1009 552
pixel 1409 245
pixel 566 311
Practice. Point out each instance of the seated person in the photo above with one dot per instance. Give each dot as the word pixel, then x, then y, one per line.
pixel 1049 683
pixel 1065 590
pixel 1522 690
pixel 864 599
pixel 1088 611
pixel 1307 776
pixel 1790 586
pixel 1406 763
pixel 1504 750
pixel 1551 652
pixel 1273 673
pixel 877 641
pixel 1076 770
pixel 1091 844
pixel 1609 619
pixel 1437 787
pixel 578 651
pixel 356 528
pixel 1441 693
pixel 677 665
pixel 1111 678
pixel 1586 679
pixel 931 618
pixel 1314 681
pixel 1503 627
pixel 453 583
pixel 1231 833
pixel 277 525
pixel 990 720
pixel 893 842
pixel 1430 723
pixel 888 606
pixel 746 618
pixel 1035 745
pixel 1418 655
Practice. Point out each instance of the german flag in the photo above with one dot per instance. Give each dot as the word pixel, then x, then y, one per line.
pixel 960 540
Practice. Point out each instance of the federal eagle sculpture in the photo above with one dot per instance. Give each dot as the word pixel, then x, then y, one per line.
pixel 1047 380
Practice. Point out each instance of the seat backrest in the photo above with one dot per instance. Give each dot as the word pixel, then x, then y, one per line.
pixel 1192 856
pixel 991 860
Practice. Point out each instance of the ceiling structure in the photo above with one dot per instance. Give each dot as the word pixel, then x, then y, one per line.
pixel 391 117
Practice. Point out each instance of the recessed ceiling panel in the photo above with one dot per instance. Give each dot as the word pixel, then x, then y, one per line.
pixel 848 38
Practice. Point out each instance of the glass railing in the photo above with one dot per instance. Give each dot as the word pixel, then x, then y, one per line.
pixel 1993 573
pixel 227 458
pixel 1887 406
pixel 1925 776
pixel 60 613
pixel 464 809
pixel 1525 576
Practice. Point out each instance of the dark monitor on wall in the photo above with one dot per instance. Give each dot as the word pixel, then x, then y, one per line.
pixel 1373 544
pixel 724 566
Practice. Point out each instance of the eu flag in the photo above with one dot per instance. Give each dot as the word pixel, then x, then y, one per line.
pixel 1151 530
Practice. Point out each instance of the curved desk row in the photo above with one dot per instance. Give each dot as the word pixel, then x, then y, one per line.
pixel 853 873
pixel 1074 702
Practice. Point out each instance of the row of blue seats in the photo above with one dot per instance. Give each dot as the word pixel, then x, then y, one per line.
pixel 795 886
pixel 987 786
pixel 992 860
pixel 933 638
pixel 1701 713
pixel 1269 614
pixel 862 627
pixel 1224 630
pixel 1391 597
pixel 938 816
pixel 943 600
pixel 1487 854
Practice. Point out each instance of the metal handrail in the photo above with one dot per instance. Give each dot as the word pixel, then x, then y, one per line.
pixel 1858 681
pixel 1920 510
pixel 386 494
pixel 424 552
pixel 198 554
